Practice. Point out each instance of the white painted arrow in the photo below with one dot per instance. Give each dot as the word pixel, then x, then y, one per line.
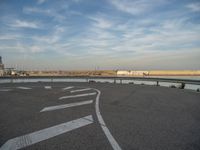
pixel 41 135
pixel 51 108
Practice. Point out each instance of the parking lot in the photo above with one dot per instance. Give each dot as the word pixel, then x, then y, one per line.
pixel 98 116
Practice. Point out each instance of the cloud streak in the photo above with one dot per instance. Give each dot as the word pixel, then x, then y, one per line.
pixel 25 24
pixel 41 1
pixel 136 7
pixel 195 7
pixel 45 12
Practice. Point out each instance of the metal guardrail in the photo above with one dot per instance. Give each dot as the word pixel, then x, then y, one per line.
pixel 114 78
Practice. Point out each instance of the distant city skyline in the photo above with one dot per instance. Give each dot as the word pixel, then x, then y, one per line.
pixel 105 34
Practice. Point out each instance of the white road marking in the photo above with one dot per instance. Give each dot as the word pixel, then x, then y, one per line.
pixel 109 136
pixel 38 136
pixel 5 90
pixel 80 90
pixel 67 88
pixel 51 108
pixel 47 87
pixel 79 95
pixel 24 88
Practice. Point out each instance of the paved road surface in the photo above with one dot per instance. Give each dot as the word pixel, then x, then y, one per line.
pixel 98 116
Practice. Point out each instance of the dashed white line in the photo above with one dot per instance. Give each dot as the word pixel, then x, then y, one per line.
pixel 79 95
pixel 24 88
pixel 51 108
pixel 38 136
pixel 109 136
pixel 80 90
pixel 47 87
pixel 67 88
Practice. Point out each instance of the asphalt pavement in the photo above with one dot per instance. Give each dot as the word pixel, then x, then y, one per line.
pixel 101 116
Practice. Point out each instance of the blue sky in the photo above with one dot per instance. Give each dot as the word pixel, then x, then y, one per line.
pixel 108 34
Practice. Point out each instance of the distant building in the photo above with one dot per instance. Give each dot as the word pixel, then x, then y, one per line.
pixel 139 73
pixel 123 73
pixel 132 73
pixel 1 67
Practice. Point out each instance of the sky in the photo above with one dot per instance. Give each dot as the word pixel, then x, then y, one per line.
pixel 100 34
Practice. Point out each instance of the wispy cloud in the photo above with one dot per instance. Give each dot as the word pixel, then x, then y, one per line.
pixel 36 10
pixel 52 37
pixel 45 12
pixel 195 7
pixel 25 24
pixel 9 36
pixel 20 48
pixel 101 22
pixel 41 1
pixel 169 35
pixel 136 7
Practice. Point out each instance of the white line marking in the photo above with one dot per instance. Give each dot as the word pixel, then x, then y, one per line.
pixel 109 136
pixel 24 88
pixel 67 88
pixel 5 90
pixel 38 136
pixel 47 87
pixel 80 90
pixel 79 95
pixel 51 108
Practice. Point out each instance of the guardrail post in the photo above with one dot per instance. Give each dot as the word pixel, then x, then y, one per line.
pixel 120 81
pixel 182 85
pixel 114 80
pixel 11 80
pixel 157 83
